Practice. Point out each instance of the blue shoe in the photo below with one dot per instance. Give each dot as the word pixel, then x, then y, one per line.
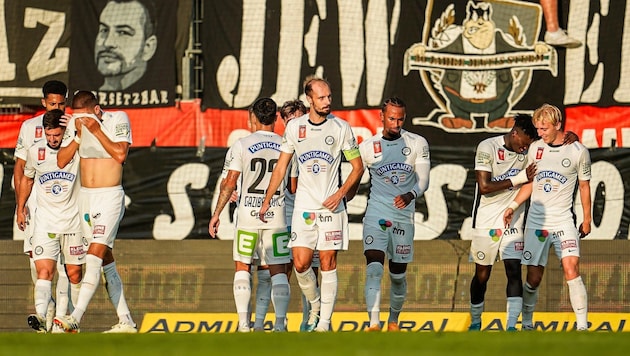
pixel 312 322
pixel 475 327
pixel 511 328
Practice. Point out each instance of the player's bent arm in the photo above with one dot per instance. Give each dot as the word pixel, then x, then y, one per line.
pixel 423 172
pixel 585 197
pixel 18 173
pixel 277 176
pixel 487 186
pixel 66 154
pixel 25 188
pixel 227 187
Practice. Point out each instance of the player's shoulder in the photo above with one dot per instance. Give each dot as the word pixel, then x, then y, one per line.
pixel 34 121
pixel 409 136
pixel 115 116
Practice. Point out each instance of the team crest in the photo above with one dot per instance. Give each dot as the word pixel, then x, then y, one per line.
pixel 477 63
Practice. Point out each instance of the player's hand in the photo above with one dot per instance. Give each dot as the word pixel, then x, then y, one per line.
pixel 332 202
pixel 90 123
pixel 234 197
pixel 65 118
pixel 584 230
pixel 507 217
pixel 263 210
pixel 213 226
pixel 21 220
pixel 401 201
pixel 570 137
pixel 531 171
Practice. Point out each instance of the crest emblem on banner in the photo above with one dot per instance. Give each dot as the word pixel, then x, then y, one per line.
pixel 476 66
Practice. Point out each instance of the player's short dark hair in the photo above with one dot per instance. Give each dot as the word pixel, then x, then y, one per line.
pixel 265 110
pixel 291 106
pixel 525 123
pixel 52 119
pixel 394 101
pixel 308 83
pixel 55 87
pixel 84 99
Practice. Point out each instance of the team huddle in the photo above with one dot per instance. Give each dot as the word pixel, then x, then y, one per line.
pixel 70 201
pixel 291 214
pixel 302 222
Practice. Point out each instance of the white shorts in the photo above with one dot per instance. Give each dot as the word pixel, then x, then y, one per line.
pixel 565 241
pixel 320 230
pixel 489 244
pixel 393 238
pixel 70 248
pixel 101 211
pixel 261 247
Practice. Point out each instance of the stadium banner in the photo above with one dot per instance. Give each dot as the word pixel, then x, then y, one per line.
pixel 408 322
pixel 171 192
pixel 123 52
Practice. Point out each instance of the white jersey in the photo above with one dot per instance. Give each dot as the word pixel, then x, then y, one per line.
pixel 493 157
pixel 558 170
pixel 255 157
pixel 114 124
pixel 56 190
pixel 395 167
pixel 318 150
pixel 31 132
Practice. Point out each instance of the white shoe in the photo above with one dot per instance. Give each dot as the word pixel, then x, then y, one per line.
pixel 561 39
pixel 68 323
pixel 243 328
pixel 122 328
pixel 37 323
pixel 56 329
pixel 50 314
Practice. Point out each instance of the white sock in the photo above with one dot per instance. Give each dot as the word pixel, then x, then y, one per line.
pixel 308 283
pixel 242 294
pixel 91 279
pixel 373 277
pixel 114 287
pixel 579 299
pixel 530 297
pixel 31 264
pixel 263 296
pixel 63 288
pixel 514 307
pixel 475 312
pixel 280 295
pixel 43 293
pixel 75 289
pixel 397 295
pixel 328 298
pixel 306 309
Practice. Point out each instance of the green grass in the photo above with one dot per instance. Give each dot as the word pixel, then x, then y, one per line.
pixel 299 344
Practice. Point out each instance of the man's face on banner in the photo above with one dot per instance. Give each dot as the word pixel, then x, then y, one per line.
pixel 121 48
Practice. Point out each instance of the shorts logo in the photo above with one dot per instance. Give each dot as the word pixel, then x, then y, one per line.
pixel 571 244
pixel 293 236
pixel 86 217
pixel 309 218
pixel 333 235
pixel 76 250
pixel 369 239
pixel 518 246
pixel 481 256
pixel 384 224
pixel 542 235
pixel 85 241
pixel 52 235
pixel 403 249
pixel 39 250
pixel 99 230
pixel 495 234
pixel 527 255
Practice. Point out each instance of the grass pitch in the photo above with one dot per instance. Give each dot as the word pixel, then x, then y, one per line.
pixel 299 344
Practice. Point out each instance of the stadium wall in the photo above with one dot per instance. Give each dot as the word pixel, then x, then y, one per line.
pixel 195 276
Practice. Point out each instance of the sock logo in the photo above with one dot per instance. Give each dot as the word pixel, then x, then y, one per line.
pixel 384 224
pixel 542 235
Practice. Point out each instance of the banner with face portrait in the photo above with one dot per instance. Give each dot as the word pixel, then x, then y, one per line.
pixel 123 51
